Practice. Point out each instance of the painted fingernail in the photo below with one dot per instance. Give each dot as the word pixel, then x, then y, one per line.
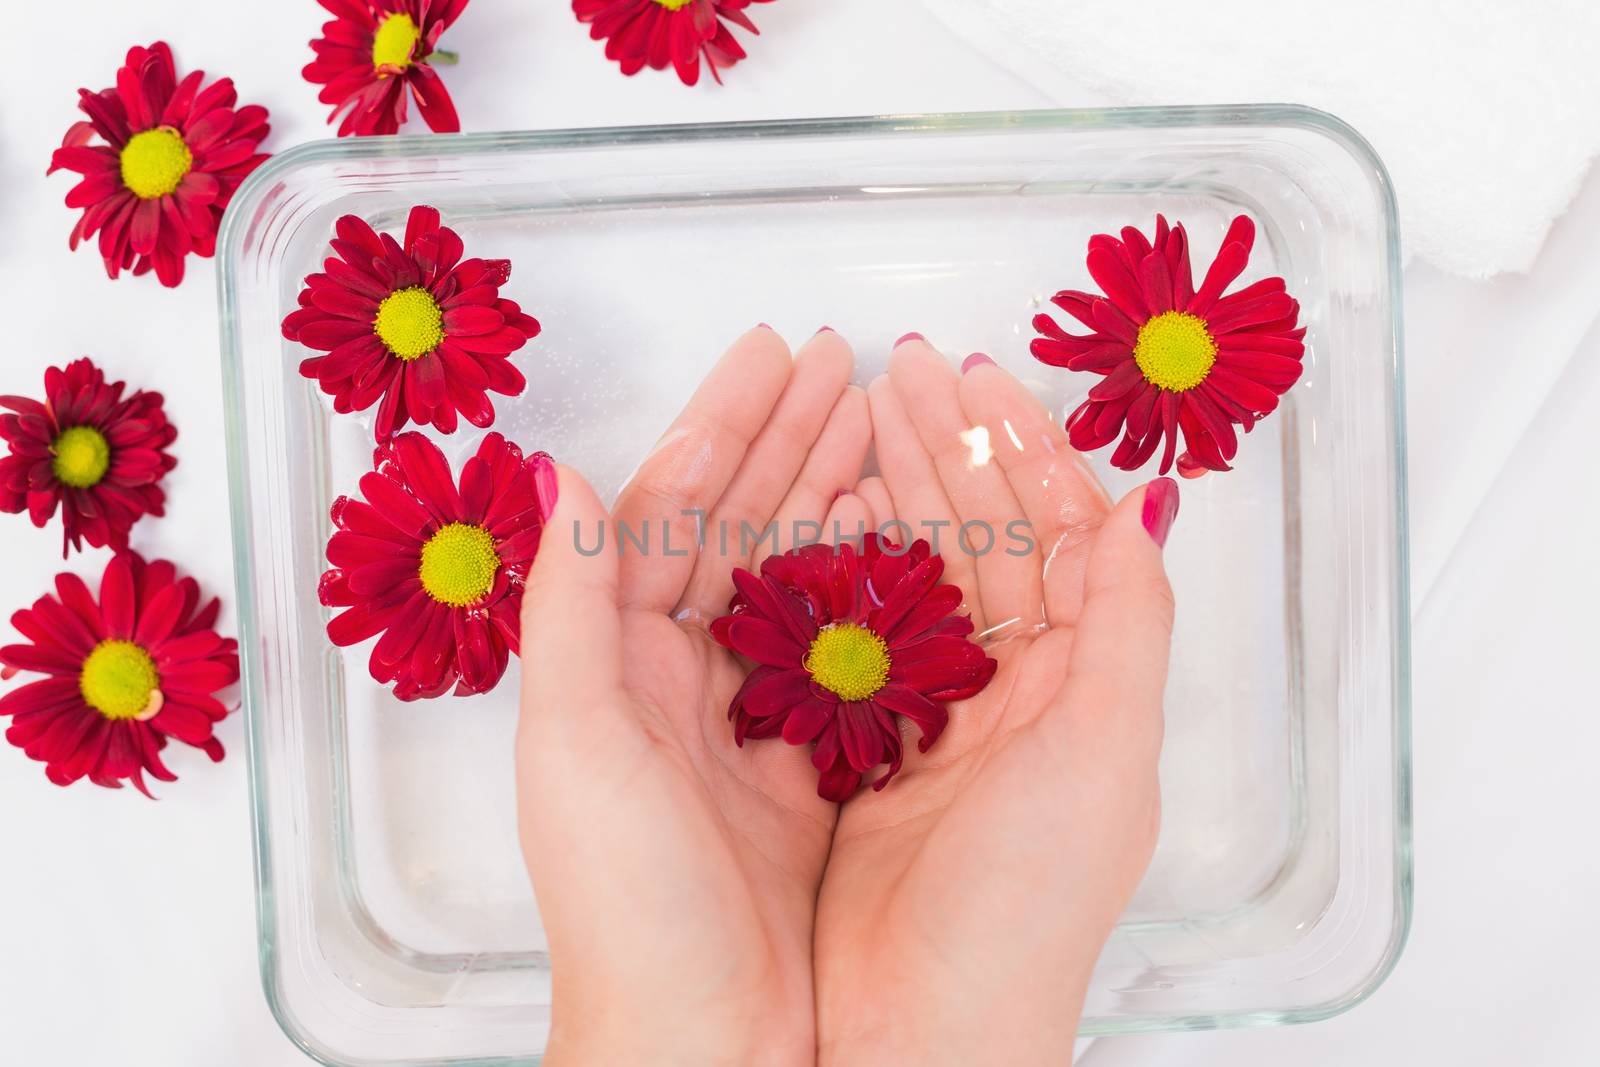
pixel 545 485
pixel 827 329
pixel 762 326
pixel 1160 509
pixel 909 337
pixel 977 359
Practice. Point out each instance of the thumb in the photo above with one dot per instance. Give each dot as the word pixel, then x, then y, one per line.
pixel 571 646
pixel 1110 704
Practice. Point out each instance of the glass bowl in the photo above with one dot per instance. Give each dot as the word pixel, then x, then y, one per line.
pixel 396 920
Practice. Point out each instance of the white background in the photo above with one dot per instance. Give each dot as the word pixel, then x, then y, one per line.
pixel 127 931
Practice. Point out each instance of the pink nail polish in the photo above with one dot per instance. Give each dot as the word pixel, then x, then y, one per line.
pixel 545 485
pixel 1160 509
pixel 827 329
pixel 909 337
pixel 762 326
pixel 977 359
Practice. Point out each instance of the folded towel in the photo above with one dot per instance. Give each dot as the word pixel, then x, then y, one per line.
pixel 1486 112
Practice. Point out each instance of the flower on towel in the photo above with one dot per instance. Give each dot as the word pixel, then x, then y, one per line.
pixel 1174 357
pixel 123 674
pixel 171 155
pixel 662 33
pixel 98 455
pixel 844 642
pixel 411 327
pixel 372 52
pixel 437 569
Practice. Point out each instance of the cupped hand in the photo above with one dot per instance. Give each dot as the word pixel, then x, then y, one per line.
pixel 963 907
pixel 677 874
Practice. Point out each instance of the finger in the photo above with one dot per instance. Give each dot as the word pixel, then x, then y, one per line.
pixel 1109 711
pixel 659 513
pixel 876 496
pixel 920 506
pixel 849 519
pixel 571 640
pixel 822 369
pixel 1063 502
pixel 929 391
pixel 833 464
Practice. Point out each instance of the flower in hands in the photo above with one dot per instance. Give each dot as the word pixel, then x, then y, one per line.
pixel 412 327
pixel 844 642
pixel 97 454
pixel 436 569
pixel 1174 357
pixel 171 155
pixel 372 52
pixel 122 675
pixel 656 33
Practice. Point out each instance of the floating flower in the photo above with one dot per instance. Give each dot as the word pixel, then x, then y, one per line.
pixel 99 455
pixel 372 51
pixel 656 33
pixel 121 676
pixel 173 155
pixel 844 641
pixel 414 328
pixel 436 570
pixel 1173 357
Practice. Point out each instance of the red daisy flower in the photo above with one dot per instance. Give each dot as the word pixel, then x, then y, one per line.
pixel 173 155
pixel 122 675
pixel 436 570
pixel 415 325
pixel 844 642
pixel 98 454
pixel 656 33
pixel 1174 357
pixel 372 51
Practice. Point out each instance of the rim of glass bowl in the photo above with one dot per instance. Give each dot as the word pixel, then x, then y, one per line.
pixel 232 234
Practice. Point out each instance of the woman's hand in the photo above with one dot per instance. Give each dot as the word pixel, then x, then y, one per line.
pixel 962 908
pixel 677 874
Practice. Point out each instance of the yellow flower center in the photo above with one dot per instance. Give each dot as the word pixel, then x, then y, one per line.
pixel 394 42
pixel 1175 351
pixel 81 457
pixel 409 322
pixel 118 679
pixel 459 564
pixel 674 5
pixel 154 162
pixel 849 660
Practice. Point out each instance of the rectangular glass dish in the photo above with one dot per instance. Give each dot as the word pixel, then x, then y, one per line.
pixel 396 921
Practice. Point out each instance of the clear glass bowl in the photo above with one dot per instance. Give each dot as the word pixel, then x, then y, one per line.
pixel 396 922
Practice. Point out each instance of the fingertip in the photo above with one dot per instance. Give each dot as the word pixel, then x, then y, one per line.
pixel 761 344
pixel 830 351
pixel 917 357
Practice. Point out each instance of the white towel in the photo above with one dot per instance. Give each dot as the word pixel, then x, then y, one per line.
pixel 1487 112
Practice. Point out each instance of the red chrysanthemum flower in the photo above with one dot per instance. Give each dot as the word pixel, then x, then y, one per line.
pixel 659 33
pixel 173 155
pixel 99 455
pixel 1174 358
pixel 436 570
pixel 844 642
pixel 372 51
pixel 414 324
pixel 122 675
